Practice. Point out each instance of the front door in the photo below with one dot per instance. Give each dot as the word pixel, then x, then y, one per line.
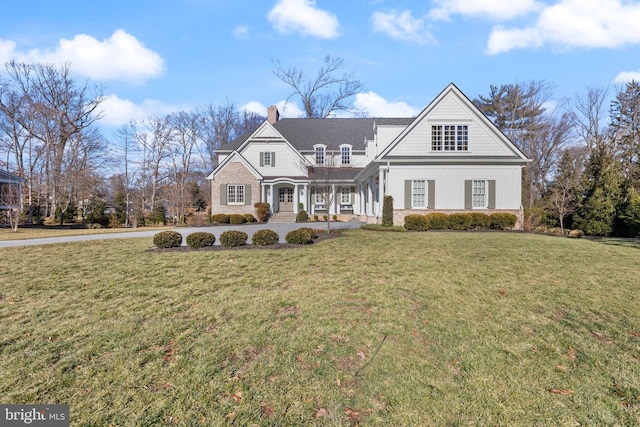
pixel 286 200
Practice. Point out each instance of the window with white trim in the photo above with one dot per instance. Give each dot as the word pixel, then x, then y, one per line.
pixel 345 196
pixel 345 154
pixel 235 194
pixel 266 158
pixel 418 193
pixel 449 138
pixel 320 155
pixel 318 198
pixel 479 193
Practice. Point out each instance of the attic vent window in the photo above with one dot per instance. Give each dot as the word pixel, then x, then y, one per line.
pixel 449 138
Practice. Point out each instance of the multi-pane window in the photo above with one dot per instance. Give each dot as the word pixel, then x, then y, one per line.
pixel 266 158
pixel 345 196
pixel 345 155
pixel 319 155
pixel 235 194
pixel 318 198
pixel 479 194
pixel 449 138
pixel 418 193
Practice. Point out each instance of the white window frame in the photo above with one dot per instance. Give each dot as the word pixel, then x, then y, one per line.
pixel 450 137
pixel 266 158
pixel 345 154
pixel 235 194
pixel 419 195
pixel 318 198
pixel 479 193
pixel 345 196
pixel 317 149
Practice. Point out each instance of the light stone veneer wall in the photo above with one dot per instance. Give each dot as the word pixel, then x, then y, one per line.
pixel 234 173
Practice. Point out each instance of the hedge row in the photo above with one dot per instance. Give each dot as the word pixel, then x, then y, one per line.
pixel 460 221
pixel 232 218
pixel 232 238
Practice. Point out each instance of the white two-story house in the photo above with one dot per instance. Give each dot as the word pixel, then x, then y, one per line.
pixel 449 158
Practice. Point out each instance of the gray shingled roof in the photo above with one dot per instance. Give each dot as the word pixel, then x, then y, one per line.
pixel 304 133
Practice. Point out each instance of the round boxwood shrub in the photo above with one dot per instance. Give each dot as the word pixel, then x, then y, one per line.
pixel 438 221
pixel 220 218
pixel 300 236
pixel 503 220
pixel 249 218
pixel 167 239
pixel 236 219
pixel 460 221
pixel 480 221
pixel 302 216
pixel 416 222
pixel 265 238
pixel 231 238
pixel 313 233
pixel 200 239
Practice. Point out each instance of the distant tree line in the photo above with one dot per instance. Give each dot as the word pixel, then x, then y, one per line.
pixel 146 171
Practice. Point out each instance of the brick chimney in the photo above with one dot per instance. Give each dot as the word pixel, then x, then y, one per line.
pixel 273 114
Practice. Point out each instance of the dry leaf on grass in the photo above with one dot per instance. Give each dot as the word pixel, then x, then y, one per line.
pixel 560 391
pixel 319 413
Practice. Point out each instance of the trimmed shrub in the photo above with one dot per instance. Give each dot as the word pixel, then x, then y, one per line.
pixel 460 221
pixel 262 211
pixel 231 238
pixel 236 219
pixel 325 218
pixel 576 234
pixel 200 239
pixel 220 218
pixel 438 221
pixel 334 217
pixel 315 217
pixel 265 238
pixel 313 233
pixel 503 220
pixel 416 222
pixel 249 218
pixel 387 210
pixel 302 216
pixel 300 236
pixel 167 239
pixel 480 221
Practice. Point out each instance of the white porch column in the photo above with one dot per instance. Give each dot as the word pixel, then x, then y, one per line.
pixel 370 200
pixel 381 186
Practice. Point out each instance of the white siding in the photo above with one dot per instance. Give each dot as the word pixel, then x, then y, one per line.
pixel 287 162
pixel 449 184
pixel 385 135
pixel 451 110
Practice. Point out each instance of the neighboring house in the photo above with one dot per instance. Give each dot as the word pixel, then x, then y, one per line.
pixel 449 158
pixel 10 191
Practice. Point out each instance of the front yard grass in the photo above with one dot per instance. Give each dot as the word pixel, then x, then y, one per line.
pixel 44 231
pixel 372 329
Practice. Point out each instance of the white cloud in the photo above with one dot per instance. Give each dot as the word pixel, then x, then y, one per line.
pixel 241 32
pixel 286 109
pixel 377 106
pixel 574 23
pixel 289 16
pixel 119 57
pixel 118 111
pixel 402 26
pixel 627 76
pixel 490 9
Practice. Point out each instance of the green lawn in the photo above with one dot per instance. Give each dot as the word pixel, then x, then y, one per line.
pixel 393 329
pixel 41 232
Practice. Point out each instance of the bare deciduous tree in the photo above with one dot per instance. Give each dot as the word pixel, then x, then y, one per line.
pixel 325 93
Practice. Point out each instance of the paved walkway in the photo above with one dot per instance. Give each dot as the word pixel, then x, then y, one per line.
pixel 281 229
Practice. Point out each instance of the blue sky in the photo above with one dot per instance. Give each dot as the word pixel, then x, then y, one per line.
pixel 154 57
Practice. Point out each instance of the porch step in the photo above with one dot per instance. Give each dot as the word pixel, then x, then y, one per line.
pixel 283 218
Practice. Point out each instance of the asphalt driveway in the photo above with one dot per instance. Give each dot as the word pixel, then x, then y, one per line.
pixel 281 229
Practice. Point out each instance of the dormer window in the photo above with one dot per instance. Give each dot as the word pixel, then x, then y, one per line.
pixel 345 154
pixel 320 154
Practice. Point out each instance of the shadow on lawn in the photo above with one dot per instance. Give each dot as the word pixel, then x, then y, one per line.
pixel 627 242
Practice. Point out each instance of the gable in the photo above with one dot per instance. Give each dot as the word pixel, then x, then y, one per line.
pixel 452 108
pixel 266 130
